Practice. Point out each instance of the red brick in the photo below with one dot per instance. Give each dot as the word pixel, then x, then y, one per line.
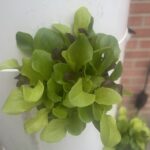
pixel 144 44
pixel 142 63
pixel 142 32
pixel 125 81
pixel 147 20
pixel 134 73
pixel 139 8
pixel 137 54
pixel 128 64
pixel 134 89
pixel 132 44
pixel 138 81
pixel 135 21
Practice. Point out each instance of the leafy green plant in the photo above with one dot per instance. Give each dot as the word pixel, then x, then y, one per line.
pixel 135 134
pixel 65 75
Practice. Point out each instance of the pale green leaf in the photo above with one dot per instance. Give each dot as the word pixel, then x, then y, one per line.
pixel 42 63
pixel 27 71
pixel 48 40
pixel 33 94
pixel 82 20
pixel 24 42
pixel 117 72
pixel 53 91
pixel 54 131
pixel 107 96
pixel 15 103
pixel 60 112
pixel 62 28
pixel 79 53
pixel 78 97
pixel 9 64
pixel 110 135
pixel 37 123
pixel 75 125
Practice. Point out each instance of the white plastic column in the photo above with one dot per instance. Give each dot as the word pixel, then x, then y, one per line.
pixel 28 16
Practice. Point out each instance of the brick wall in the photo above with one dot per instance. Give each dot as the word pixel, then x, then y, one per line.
pixel 137 54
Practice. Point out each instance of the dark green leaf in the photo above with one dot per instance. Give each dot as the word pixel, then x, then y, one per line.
pixel 24 42
pixel 85 114
pixel 75 125
pixel 117 72
pixel 48 40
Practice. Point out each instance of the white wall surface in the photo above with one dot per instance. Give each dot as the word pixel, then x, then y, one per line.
pixel 29 15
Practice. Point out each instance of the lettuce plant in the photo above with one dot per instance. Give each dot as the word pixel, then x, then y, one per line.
pixel 68 75
pixel 134 132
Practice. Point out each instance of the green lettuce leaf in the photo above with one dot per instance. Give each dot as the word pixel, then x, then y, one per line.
pixel 48 40
pixel 10 64
pixel 60 112
pixel 37 123
pixel 78 97
pixel 75 126
pixel 62 28
pixel 54 131
pixel 82 20
pixel 110 135
pixel 26 70
pixel 15 103
pixel 79 53
pixel 42 63
pixel 117 72
pixel 24 42
pixel 53 91
pixel 59 72
pixel 33 94
pixel 99 110
pixel 107 96
pixel 85 114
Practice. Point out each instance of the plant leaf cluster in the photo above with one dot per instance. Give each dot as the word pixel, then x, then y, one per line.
pixel 135 134
pixel 68 74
